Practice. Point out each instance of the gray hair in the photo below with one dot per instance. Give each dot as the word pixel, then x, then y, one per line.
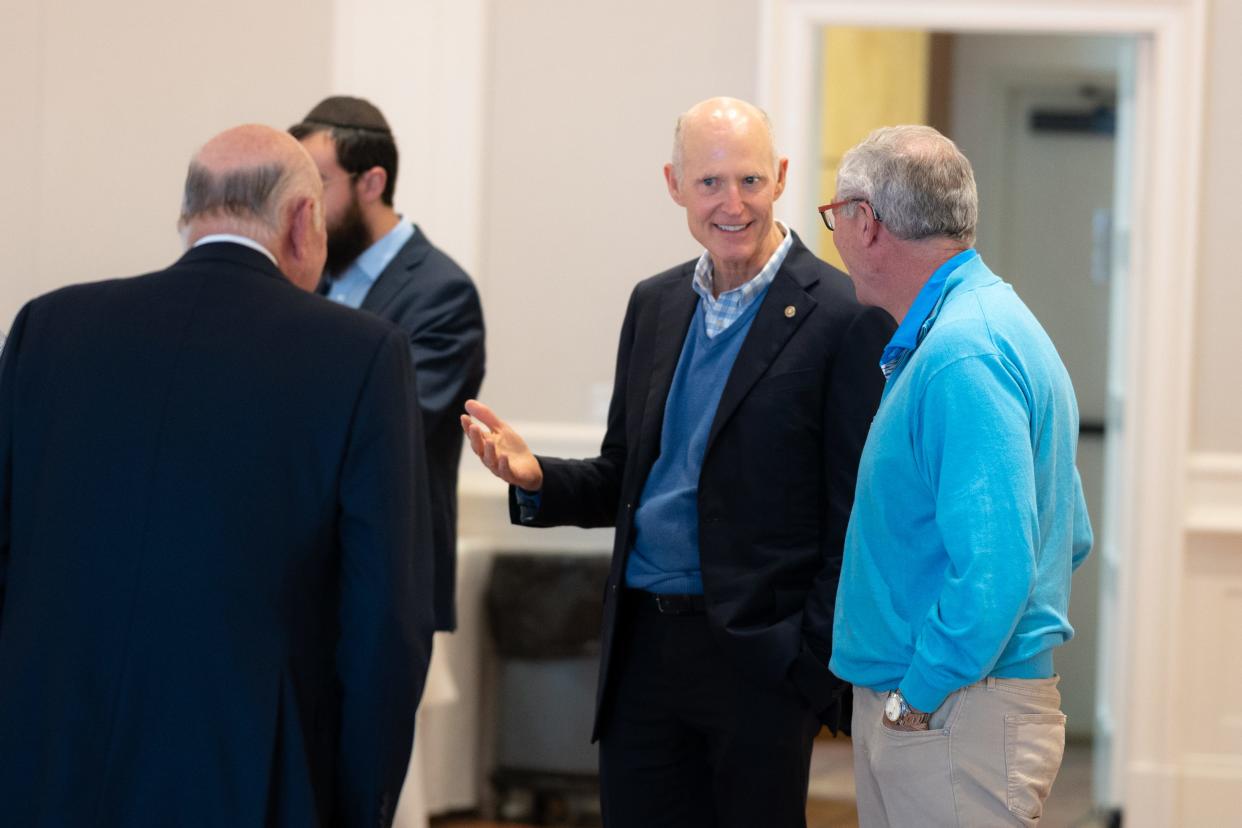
pixel 678 140
pixel 917 181
pixel 250 196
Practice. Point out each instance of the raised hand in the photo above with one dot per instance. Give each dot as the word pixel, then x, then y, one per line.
pixel 501 449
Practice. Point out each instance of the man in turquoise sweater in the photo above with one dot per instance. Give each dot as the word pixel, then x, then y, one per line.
pixel 969 516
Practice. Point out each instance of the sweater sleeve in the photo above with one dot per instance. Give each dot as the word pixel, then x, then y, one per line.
pixel 1083 537
pixel 973 444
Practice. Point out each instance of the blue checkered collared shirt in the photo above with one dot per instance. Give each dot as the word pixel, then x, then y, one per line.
pixel 722 311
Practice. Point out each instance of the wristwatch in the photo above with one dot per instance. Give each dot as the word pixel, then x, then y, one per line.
pixel 899 713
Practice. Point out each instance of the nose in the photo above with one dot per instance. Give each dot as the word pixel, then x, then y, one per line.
pixel 731 200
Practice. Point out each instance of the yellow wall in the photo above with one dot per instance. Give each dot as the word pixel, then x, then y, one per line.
pixel 869 78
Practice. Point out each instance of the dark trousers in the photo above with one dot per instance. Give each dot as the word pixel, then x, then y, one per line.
pixel 688 741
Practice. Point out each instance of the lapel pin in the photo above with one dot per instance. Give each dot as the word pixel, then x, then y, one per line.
pixel 790 310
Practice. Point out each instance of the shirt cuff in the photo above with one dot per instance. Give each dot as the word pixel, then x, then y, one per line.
pixel 528 504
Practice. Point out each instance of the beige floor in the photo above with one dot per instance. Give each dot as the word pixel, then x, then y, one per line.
pixel 831 795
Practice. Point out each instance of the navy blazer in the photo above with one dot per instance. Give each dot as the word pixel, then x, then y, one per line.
pixel 777 482
pixel 427 295
pixel 215 591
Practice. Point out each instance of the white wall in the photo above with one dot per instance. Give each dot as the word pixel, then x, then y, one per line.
pixel 104 105
pixel 581 104
pixel 1218 336
pixel 102 113
pixel 21 136
pixel 422 62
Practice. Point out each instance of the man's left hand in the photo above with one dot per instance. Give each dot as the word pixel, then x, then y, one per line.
pixel 902 726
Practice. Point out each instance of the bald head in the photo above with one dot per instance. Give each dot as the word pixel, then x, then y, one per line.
pixel 726 175
pixel 258 182
pixel 250 145
pixel 241 178
pixel 719 115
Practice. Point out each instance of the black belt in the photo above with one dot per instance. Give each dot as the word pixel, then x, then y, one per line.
pixel 669 604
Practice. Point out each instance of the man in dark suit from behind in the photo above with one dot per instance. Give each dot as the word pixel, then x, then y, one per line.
pixel 215 595
pixel 382 264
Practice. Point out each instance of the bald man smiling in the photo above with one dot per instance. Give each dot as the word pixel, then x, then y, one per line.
pixel 215 586
pixel 745 384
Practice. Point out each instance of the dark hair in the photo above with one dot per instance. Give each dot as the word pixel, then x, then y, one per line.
pixel 359 133
pixel 246 194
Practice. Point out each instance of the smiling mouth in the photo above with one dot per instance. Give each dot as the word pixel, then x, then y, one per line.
pixel 732 228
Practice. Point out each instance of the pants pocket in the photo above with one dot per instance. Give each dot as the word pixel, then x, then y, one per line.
pixel 1034 745
pixel 914 777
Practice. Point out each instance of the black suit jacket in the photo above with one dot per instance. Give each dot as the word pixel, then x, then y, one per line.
pixel 433 300
pixel 777 482
pixel 215 595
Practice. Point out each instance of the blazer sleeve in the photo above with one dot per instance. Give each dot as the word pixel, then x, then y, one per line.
pixel 587 492
pixel 853 396
pixel 385 589
pixel 445 333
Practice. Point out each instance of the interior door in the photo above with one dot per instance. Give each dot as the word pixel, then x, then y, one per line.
pixel 1052 240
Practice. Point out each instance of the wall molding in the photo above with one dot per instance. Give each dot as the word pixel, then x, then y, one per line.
pixel 546 438
pixel 1209 789
pixel 1214 493
pixel 483 500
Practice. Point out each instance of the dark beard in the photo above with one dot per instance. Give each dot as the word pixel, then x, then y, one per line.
pixel 347 241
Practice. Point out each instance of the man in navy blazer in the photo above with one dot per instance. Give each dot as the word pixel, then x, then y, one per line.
pixel 745 384
pixel 215 583
pixel 384 265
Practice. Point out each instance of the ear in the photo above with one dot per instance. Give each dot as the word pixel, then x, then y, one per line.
pixel 305 241
pixel 301 219
pixel 371 185
pixel 782 166
pixel 870 230
pixel 674 188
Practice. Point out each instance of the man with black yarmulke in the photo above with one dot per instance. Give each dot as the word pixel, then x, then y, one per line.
pixel 380 263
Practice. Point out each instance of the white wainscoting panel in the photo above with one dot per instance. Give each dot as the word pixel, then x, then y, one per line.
pixel 1214 493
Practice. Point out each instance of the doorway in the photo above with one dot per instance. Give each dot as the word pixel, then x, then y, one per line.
pixel 1037 114
pixel 1159 109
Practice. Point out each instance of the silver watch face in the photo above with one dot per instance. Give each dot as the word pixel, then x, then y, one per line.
pixel 892 707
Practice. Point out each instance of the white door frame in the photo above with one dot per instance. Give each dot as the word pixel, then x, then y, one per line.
pixel 1156 345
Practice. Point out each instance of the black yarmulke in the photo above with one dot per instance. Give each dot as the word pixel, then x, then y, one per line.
pixel 344 111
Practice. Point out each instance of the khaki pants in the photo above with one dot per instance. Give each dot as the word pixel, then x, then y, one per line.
pixel 989 758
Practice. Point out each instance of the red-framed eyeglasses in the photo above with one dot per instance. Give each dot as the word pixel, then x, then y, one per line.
pixel 825 211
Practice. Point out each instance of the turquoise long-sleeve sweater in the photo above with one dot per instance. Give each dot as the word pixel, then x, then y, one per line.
pixel 969 514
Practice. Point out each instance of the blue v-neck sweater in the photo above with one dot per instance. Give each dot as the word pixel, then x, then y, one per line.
pixel 665 555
